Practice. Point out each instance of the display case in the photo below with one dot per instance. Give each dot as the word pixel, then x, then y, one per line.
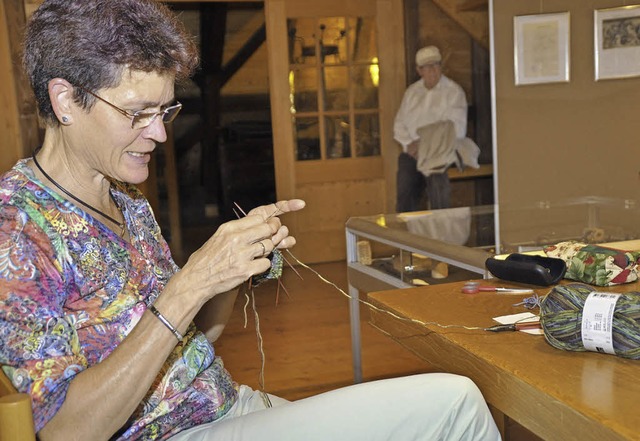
pixel 403 250
pixel 400 250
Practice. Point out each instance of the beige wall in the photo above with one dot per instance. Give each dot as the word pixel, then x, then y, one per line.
pixel 564 140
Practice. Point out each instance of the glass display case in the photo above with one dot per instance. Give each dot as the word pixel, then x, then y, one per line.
pixel 408 249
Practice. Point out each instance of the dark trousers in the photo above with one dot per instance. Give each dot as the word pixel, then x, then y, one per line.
pixel 411 185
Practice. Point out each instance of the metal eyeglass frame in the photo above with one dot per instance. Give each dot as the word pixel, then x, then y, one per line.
pixel 139 118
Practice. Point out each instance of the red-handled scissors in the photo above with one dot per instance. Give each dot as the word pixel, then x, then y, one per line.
pixel 474 287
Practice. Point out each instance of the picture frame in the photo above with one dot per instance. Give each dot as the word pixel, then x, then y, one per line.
pixel 616 42
pixel 541 48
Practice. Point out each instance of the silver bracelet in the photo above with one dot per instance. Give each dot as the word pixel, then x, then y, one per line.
pixel 165 322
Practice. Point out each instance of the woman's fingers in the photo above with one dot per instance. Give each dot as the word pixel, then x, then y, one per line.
pixel 252 228
pixel 279 233
pixel 239 248
pixel 264 250
pixel 282 239
pixel 265 247
pixel 278 208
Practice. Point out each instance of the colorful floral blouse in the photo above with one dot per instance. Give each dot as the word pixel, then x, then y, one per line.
pixel 71 290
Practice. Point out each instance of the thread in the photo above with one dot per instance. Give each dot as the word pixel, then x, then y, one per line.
pixel 374 307
pixel 252 299
pixel 561 318
pixel 530 302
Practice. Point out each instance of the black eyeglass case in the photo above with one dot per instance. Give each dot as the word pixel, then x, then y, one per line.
pixel 523 268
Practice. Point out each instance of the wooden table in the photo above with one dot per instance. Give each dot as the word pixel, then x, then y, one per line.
pixel 558 395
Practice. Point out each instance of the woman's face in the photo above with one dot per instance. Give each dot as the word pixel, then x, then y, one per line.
pixel 103 138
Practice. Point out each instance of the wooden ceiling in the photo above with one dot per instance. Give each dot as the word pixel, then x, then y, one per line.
pixel 471 15
pixel 473 5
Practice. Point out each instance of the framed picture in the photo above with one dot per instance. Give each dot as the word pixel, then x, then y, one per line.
pixel 541 48
pixel 617 42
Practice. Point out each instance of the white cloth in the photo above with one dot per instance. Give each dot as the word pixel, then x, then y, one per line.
pixel 450 225
pixel 421 407
pixel 421 107
pixel 439 148
pixel 468 153
pixel 436 150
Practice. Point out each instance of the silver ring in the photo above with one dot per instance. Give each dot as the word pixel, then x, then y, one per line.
pixel 264 249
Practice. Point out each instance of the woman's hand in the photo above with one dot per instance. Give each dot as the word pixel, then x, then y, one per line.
pixel 237 251
pixel 281 238
pixel 213 316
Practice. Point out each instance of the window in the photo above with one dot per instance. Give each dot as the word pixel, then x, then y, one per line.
pixel 333 81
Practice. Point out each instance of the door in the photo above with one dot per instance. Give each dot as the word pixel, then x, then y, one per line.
pixel 336 77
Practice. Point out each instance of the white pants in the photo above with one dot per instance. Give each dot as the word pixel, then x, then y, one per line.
pixel 420 407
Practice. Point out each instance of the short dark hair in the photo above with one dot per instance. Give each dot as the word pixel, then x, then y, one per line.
pixel 92 42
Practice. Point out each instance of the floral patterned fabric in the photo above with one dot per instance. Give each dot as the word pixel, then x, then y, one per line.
pixel 71 290
pixel 596 265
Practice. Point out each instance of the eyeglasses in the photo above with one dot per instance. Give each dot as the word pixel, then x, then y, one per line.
pixel 140 119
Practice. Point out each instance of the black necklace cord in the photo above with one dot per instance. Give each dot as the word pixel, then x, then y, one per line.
pixel 77 199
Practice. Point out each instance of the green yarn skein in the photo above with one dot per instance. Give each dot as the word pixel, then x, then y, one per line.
pixel 561 319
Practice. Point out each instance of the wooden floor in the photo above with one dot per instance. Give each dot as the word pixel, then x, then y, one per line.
pixel 306 338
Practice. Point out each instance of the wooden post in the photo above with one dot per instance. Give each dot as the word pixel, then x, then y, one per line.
pixel 173 196
pixel 19 127
pixel 214 25
pixel 411 37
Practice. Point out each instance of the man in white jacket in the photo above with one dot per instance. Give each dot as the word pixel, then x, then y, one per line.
pixel 433 98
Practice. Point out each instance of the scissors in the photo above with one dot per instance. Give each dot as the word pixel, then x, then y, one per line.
pixel 474 287
pixel 514 327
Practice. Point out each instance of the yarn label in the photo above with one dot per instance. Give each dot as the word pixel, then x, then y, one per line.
pixel 597 322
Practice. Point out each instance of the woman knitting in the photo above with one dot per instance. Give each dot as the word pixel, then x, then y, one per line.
pixel 109 337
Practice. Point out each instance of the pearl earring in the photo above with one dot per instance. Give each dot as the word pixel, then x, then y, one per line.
pixel 65 119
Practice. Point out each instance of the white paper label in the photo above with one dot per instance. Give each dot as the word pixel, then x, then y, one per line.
pixel 597 322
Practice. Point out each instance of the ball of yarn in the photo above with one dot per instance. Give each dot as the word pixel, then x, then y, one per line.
pixel 561 319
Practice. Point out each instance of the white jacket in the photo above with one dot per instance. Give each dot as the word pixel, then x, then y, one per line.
pixel 421 107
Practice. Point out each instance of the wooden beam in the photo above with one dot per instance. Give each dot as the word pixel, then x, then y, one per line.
pixel 212 1
pixel 411 35
pixel 32 5
pixel 173 196
pixel 473 5
pixel 9 121
pixel 245 52
pixel 475 22
pixel 393 72
pixel 213 25
pixel 19 124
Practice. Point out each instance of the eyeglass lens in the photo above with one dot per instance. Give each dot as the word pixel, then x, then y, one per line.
pixel 142 120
